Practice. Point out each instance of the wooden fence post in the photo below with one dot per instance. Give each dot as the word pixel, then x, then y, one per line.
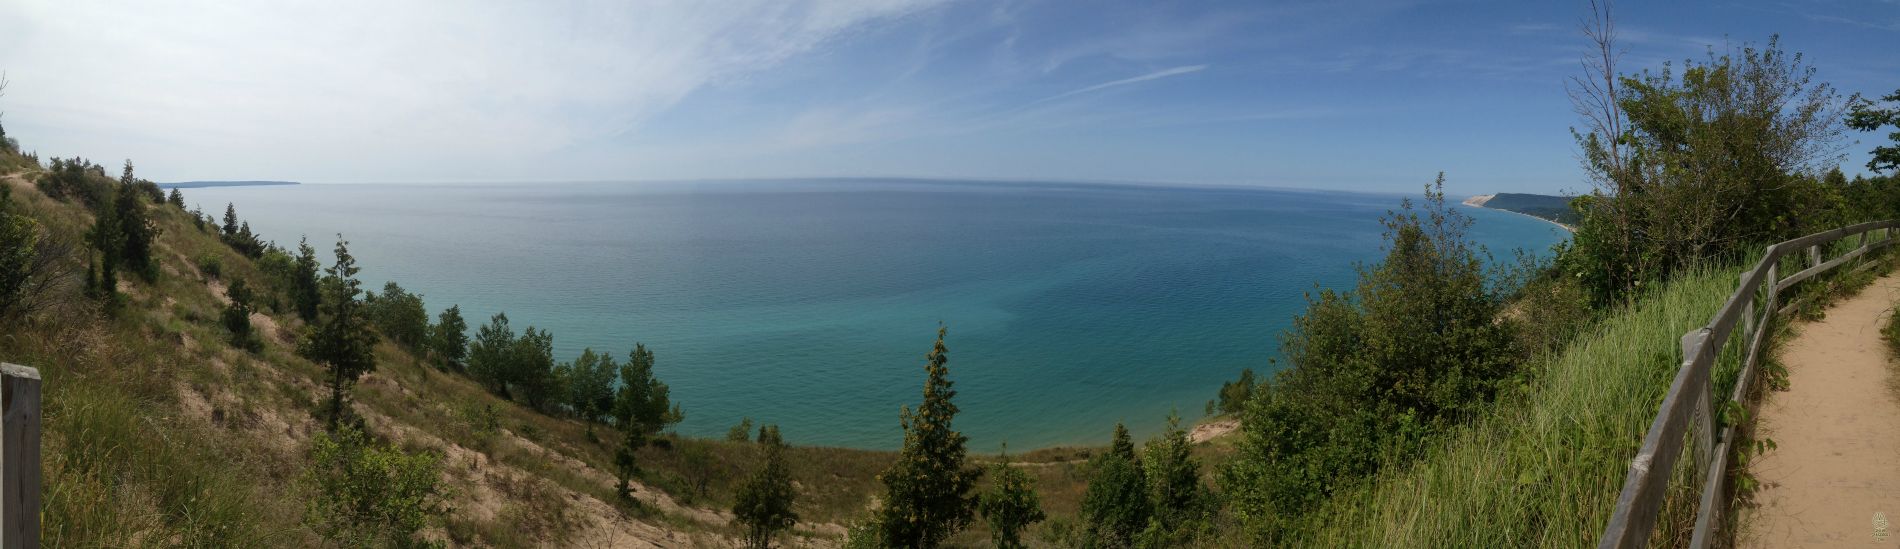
pixel 19 456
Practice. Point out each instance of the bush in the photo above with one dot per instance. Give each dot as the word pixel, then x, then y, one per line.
pixel 211 265
pixel 398 314
pixel 1376 370
pixel 1705 166
pixel 363 493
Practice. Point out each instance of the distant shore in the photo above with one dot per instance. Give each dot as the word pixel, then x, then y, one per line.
pixel 1479 201
pixel 203 184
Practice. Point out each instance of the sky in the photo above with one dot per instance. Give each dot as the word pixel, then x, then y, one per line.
pixel 1374 95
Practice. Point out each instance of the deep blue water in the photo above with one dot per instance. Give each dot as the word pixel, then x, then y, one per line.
pixel 811 304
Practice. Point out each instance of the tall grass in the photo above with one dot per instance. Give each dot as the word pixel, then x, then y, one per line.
pixel 1545 468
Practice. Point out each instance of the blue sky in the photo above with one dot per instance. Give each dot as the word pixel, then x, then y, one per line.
pixel 1370 96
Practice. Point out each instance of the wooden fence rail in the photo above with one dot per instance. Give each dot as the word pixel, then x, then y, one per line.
pixel 1690 406
pixel 19 456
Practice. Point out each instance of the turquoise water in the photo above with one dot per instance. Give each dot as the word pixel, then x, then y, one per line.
pixel 811 304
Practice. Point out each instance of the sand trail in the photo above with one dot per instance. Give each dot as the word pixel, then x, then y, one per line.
pixel 1833 479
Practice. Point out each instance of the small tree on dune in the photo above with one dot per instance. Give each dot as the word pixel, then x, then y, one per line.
pixel 763 507
pixel 1010 505
pixel 1115 506
pixel 489 354
pixel 304 288
pixel 341 338
pixel 448 339
pixel 642 409
pixel 927 492
pixel 590 386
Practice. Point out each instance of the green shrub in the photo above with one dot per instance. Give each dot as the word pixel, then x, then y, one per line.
pixel 1375 371
pixel 211 264
pixel 363 493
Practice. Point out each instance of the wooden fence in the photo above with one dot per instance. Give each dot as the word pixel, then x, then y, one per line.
pixel 19 456
pixel 1689 408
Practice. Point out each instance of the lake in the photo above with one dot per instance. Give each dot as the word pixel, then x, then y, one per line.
pixel 811 303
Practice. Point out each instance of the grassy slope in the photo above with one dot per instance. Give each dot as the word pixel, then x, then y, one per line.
pixel 1545 467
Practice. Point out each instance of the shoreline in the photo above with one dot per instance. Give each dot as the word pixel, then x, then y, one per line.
pixel 1479 201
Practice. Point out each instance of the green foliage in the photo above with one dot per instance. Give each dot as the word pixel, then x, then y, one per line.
pixel 1373 372
pixel 1116 507
pixel 1868 116
pixel 237 316
pixel 1010 505
pixel 448 338
pixel 1891 332
pixel 399 315
pixel 531 370
pixel 176 198
pixel 763 507
pixel 239 237
pixel 363 493
pixel 927 491
pixel 77 179
pixel 1178 499
pixel 642 409
pixel 341 339
pixel 1235 394
pixel 489 355
pixel 211 265
pixel 20 248
pixel 305 292
pixel 1707 165
pixel 136 228
pixel 590 385
pixel 738 432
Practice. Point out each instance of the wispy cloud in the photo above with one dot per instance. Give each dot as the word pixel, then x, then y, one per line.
pixel 1157 75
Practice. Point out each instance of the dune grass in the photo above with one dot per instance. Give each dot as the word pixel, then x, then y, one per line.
pixel 1544 468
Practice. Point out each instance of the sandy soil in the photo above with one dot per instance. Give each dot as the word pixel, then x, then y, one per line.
pixel 1213 429
pixel 1834 477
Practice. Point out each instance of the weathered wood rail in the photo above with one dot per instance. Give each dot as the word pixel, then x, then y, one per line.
pixel 1688 408
pixel 19 456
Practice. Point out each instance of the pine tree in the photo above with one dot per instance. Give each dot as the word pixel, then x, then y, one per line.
pixel 230 220
pixel 489 355
pixel 237 315
pixel 176 198
pixel 643 409
pixel 1174 479
pixel 531 371
pixel 1010 505
pixel 448 339
pixel 342 338
pixel 927 492
pixel 135 227
pixel 763 507
pixel 305 290
pixel 1115 506
pixel 590 386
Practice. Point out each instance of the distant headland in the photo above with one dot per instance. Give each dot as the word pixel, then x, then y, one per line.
pixel 1555 209
pixel 200 184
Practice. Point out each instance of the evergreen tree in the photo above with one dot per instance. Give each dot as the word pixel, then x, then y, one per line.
pixel 230 220
pixel 135 227
pixel 531 371
pixel 304 290
pixel 237 315
pixel 1115 506
pixel 448 339
pixel 590 386
pixel 105 238
pixel 177 198
pixel 489 355
pixel 1174 481
pixel 399 314
pixel 927 492
pixel 1010 505
pixel 763 507
pixel 341 338
pixel 643 409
